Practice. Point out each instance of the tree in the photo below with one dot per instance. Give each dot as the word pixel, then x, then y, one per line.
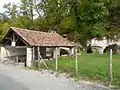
pixel 84 19
pixel 113 27
pixel 4 24
pixel 89 18
pixel 11 11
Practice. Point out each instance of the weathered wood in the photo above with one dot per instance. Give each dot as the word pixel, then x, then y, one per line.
pixel 70 53
pixel 17 59
pixel 16 47
pixel 16 39
pixel 33 53
pixel 13 43
pixel 40 58
pixel 110 68
pixel 56 58
pixel 76 61
pixel 38 52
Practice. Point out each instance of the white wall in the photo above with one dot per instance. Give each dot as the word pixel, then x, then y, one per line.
pixel 29 57
pixel 9 51
pixel 103 43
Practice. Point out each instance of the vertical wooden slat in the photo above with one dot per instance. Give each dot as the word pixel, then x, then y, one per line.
pixel 33 53
pixel 56 59
pixel 40 58
pixel 76 61
pixel 110 68
pixel 38 50
pixel 17 59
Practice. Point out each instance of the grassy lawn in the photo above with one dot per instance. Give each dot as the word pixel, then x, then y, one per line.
pixel 91 67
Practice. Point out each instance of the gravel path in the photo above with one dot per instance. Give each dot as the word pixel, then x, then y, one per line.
pixel 35 80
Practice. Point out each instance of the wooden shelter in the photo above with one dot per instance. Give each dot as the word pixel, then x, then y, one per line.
pixel 28 45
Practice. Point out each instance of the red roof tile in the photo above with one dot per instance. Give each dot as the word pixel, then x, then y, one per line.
pixel 38 38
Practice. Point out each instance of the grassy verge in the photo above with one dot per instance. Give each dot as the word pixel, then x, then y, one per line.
pixel 91 67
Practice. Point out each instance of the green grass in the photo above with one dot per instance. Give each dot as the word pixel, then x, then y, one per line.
pixel 91 67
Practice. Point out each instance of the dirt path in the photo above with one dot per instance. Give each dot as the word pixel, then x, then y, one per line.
pixel 34 80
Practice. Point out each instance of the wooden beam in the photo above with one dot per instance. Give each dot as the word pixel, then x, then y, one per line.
pixel 16 46
pixel 40 58
pixel 76 61
pixel 33 53
pixel 13 38
pixel 70 53
pixel 38 52
pixel 13 43
pixel 110 68
pixel 17 59
pixel 56 58
pixel 16 39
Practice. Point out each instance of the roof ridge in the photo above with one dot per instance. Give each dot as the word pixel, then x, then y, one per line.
pixel 30 30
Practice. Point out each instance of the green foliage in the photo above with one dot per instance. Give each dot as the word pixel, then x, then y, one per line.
pixel 85 19
pixel 3 29
pixel 24 22
pixel 98 30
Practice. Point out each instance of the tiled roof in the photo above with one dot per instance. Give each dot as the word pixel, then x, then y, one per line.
pixel 38 38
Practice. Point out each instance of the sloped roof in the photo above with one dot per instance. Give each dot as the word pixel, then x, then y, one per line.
pixel 38 38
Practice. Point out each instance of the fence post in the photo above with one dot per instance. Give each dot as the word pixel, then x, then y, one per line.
pixel 76 61
pixel 110 68
pixel 56 58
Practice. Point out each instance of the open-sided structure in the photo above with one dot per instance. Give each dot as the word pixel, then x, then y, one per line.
pixel 28 45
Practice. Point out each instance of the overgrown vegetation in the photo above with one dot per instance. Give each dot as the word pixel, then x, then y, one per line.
pixel 91 67
pixel 88 18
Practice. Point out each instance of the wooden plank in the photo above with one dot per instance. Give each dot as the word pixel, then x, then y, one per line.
pixel 41 59
pixel 110 68
pixel 56 58
pixel 38 52
pixel 17 59
pixel 16 46
pixel 33 53
pixel 76 61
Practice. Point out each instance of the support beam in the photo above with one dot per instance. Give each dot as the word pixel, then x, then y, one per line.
pixel 40 58
pixel 38 52
pixel 58 51
pixel 33 53
pixel 16 46
pixel 13 43
pixel 17 59
pixel 29 57
pixel 54 53
pixel 71 52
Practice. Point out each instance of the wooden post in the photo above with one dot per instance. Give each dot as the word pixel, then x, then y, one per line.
pixel 33 53
pixel 38 52
pixel 76 61
pixel 17 59
pixel 70 52
pixel 56 59
pixel 13 43
pixel 110 68
pixel 40 58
